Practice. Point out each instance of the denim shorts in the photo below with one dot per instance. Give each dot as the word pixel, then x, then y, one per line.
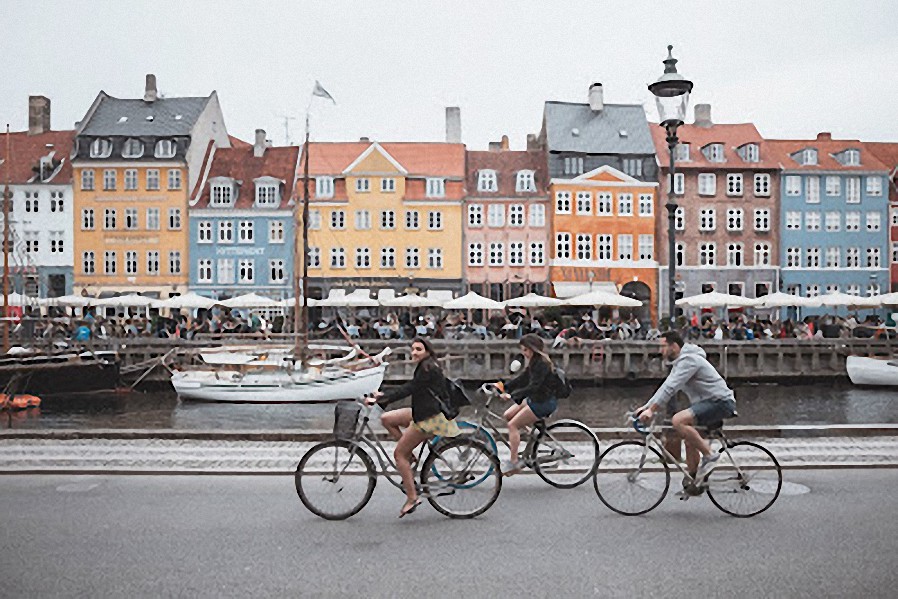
pixel 710 411
pixel 543 409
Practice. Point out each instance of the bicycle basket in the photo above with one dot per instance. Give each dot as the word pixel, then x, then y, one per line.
pixel 346 419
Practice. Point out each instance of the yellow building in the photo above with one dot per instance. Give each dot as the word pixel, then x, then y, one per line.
pixel 385 216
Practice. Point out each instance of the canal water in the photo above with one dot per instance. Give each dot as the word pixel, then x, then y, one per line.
pixel 767 404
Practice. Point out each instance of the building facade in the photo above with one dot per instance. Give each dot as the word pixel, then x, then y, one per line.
pixel 241 220
pixel 135 162
pixel 727 186
pixel 887 153
pixel 506 228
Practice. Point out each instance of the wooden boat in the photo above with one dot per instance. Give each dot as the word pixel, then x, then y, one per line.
pixel 18 402
pixel 872 371
pixel 64 373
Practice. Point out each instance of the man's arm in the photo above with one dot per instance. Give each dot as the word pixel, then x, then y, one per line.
pixel 682 371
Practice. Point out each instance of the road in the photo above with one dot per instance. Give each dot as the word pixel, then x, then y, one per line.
pixel 834 533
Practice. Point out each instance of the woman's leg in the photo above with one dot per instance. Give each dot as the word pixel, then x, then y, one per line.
pixel 394 419
pixel 411 438
pixel 524 417
pixel 512 411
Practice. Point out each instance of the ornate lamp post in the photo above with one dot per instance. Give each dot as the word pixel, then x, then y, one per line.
pixel 671 92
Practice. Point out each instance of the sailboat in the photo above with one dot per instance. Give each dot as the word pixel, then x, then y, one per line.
pixel 302 373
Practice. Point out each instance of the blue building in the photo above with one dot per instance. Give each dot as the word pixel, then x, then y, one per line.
pixel 241 218
pixel 834 218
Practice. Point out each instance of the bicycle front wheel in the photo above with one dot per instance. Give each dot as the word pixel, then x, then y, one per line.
pixel 335 479
pixel 565 455
pixel 461 477
pixel 746 481
pixel 631 478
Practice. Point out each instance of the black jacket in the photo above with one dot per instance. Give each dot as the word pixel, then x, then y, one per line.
pixel 536 382
pixel 427 381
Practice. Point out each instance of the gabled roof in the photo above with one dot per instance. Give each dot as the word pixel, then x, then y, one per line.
pixel 887 153
pixel 375 147
pixel 27 150
pixel 419 159
pixel 732 136
pixel 784 149
pixel 132 117
pixel 507 163
pixel 616 129
pixel 240 164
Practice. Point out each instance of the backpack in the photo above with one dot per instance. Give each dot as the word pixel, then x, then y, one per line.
pixel 454 400
pixel 563 388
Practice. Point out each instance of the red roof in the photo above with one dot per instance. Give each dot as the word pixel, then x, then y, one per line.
pixel 239 163
pixel 887 153
pixel 826 147
pixel 421 159
pixel 236 142
pixel 507 164
pixel 27 151
pixel 732 136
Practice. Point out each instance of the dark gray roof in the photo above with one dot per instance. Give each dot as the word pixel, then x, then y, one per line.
pixel 599 133
pixel 165 113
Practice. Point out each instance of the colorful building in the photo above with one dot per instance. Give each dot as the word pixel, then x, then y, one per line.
pixel 887 153
pixel 506 230
pixel 135 163
pixel 385 216
pixel 242 221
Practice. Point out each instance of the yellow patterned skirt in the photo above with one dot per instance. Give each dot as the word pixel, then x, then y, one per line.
pixel 438 426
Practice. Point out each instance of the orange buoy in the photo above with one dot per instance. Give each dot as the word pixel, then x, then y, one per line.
pixel 19 402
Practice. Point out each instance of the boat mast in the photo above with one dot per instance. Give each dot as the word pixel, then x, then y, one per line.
pixel 7 198
pixel 301 310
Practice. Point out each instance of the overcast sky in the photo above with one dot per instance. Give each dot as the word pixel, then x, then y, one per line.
pixel 793 68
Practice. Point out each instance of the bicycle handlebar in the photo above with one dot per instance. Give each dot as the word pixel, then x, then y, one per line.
pixel 632 419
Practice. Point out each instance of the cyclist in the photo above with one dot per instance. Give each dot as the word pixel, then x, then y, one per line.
pixel 422 421
pixel 710 398
pixel 536 384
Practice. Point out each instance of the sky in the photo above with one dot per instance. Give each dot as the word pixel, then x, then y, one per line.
pixel 793 68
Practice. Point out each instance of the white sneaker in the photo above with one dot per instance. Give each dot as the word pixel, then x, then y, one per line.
pixel 707 464
pixel 509 468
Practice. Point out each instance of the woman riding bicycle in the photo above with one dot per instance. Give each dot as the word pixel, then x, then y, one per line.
pixel 422 421
pixel 536 384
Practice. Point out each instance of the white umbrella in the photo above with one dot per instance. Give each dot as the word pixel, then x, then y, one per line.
pixel 188 301
pixel 249 300
pixel 473 301
pixel 786 300
pixel 532 300
pixel 602 298
pixel 889 299
pixel 837 298
pixel 17 299
pixel 715 299
pixel 131 300
pixel 67 301
pixel 360 298
pixel 412 300
pixel 291 301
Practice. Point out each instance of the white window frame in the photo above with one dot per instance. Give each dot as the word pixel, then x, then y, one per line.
pixel 362 220
pixel 584 202
pixel 487 181
pixel 132 148
pixel 475 253
pixel 435 187
pixel 165 148
pixel 584 247
pixel 225 231
pixel 388 185
pixel 277 233
pixel 625 246
pixel 762 219
pixel 525 181
pixel 338 220
pixel 646 204
pixel 496 255
pixel 832 220
pixel 852 220
pixel 537 215
pixel 763 255
pixel 434 220
pixel 495 216
pixel 707 219
pixel 707 184
pixel 852 190
pixel 475 215
pixel 873 221
pixel 873 186
pixel 735 219
pixel 563 202
pixel 324 187
pixel 388 220
pixel 625 204
pixel 362 185
pixel 646 246
pixel 563 245
pixel 833 185
pixel 537 253
pixel 516 217
pixel 734 184
pixel 793 185
pixel 204 270
pixel 812 190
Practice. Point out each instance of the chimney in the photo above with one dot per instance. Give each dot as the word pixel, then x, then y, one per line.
pixel 504 143
pixel 824 136
pixel 495 146
pixel 260 144
pixel 703 115
pixel 453 125
pixel 38 115
pixel 532 142
pixel 150 94
pixel 596 97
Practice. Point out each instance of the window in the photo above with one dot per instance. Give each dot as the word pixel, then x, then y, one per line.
pixel 525 181
pixel 873 221
pixel 388 219
pixel 388 185
pixel 762 254
pixel 133 148
pixel 276 231
pixel 313 258
pixel 707 184
pixel 793 257
pixel 131 218
pixel 872 289
pixel 130 179
pixel 497 254
pixel 87 179
pixel 624 247
pixel 411 220
pixel 762 289
pixel 174 219
pixel 221 194
pixel 573 165
pixel 734 184
pixel 679 183
pixel 204 231
pixel 681 152
pixel 751 153
pixel 246 232
pixel 895 252
pixel 165 148
pixel 516 215
pixel 714 152
pixel 853 257
pixel 734 219
pixel 537 215
pixel 363 185
pixel 680 219
pixel 108 180
pixel 56 242
pixel 362 257
pixel 793 220
pixel 584 202
pixel 247 268
pixel 266 194
pixel 762 185
pixel 362 220
pixel 562 202
pixel 812 221
pixel 633 166
pixel 852 157
pixel 475 254
pixel 100 148
pixel 809 156
pixel 153 219
pixel 853 289
pixel 625 204
pixel 894 215
pixel 563 246
pixel 204 270
pixel 435 258
pixel 516 253
pixel 537 253
pixel 813 291
pixel 813 190
pixel 584 247
pixel 603 204
pixel 646 204
pixel 853 221
pixel 338 258
pixel 793 185
pixel 680 253
pixel 434 220
pixel 874 186
pixel 413 258
pixel 314 220
pixel 833 221
pixel 324 187
pixel 734 254
pixel 604 249
pixel 812 257
pixel 707 220
pixel 833 186
pixel 487 180
pixel 174 178
pixel 388 257
pixel 646 247
pixel 31 242
pixel 31 205
pixel 109 218
pixel 707 254
pixel 495 215
pixel 225 270
pixel 88 263
pixel 225 231
pixel 109 263
pixel 736 288
pixel 872 257
pixel 131 263
pixel 762 219
pixel 475 215
pixel 853 190
pixel 436 188
pixel 338 219
pixel 153 179
pixel 87 219
pixel 833 257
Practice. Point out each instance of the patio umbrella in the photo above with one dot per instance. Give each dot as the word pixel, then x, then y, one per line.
pixel 533 300
pixel 188 301
pixel 291 301
pixel 473 301
pixel 837 298
pixel 602 298
pixel 359 298
pixel 130 300
pixel 787 300
pixel 67 301
pixel 889 299
pixel 715 299
pixel 412 300
pixel 17 299
pixel 249 300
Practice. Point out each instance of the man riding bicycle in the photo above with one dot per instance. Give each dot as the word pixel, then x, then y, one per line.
pixel 710 398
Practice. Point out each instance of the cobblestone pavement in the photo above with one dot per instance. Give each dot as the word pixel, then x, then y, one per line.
pixel 277 457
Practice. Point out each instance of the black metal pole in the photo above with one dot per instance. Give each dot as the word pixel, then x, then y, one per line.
pixel 671 224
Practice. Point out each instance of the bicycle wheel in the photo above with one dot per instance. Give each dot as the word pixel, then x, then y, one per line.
pixel 471 431
pixel 566 455
pixel 631 478
pixel 335 479
pixel 469 480
pixel 746 481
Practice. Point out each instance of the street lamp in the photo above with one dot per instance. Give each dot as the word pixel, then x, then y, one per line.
pixel 671 93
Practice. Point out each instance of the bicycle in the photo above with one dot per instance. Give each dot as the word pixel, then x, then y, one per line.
pixel 633 477
pixel 342 473
pixel 564 453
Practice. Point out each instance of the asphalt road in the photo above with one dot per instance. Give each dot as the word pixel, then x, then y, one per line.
pixel 249 536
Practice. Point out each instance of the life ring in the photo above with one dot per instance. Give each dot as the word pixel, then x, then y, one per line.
pixel 19 402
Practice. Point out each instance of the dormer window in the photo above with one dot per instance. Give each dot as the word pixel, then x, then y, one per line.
pixel 714 152
pixel 100 148
pixel 165 148
pixel 525 181
pixel 133 148
pixel 851 158
pixel 221 192
pixel 487 180
pixel 681 154
pixel 809 156
pixel 267 191
pixel 324 187
pixel 436 188
pixel 750 153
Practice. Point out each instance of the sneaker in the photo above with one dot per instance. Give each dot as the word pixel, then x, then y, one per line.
pixel 509 468
pixel 707 464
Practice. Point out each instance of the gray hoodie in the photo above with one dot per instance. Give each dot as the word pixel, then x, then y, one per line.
pixel 693 375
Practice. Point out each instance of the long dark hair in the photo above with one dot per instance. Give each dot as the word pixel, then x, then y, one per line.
pixel 534 343
pixel 431 360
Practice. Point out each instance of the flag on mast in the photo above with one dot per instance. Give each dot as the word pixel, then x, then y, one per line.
pixel 322 93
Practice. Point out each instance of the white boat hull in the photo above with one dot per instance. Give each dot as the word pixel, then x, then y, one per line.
pixel 277 386
pixel 872 371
